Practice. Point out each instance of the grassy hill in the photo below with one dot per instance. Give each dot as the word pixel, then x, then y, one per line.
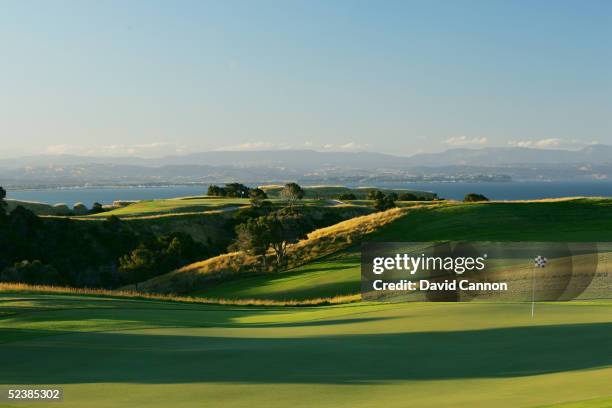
pixel 339 273
pixel 130 352
pixel 36 208
pixel 173 205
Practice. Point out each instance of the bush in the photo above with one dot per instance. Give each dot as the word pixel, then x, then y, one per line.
pixel 159 255
pixel 384 202
pixel 97 208
pixel 31 272
pixel 80 209
pixel 473 197
pixel 61 209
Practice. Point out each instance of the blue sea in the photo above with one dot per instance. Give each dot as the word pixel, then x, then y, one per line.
pixel 496 191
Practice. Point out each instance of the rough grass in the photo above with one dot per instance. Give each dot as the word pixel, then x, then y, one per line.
pixel 136 295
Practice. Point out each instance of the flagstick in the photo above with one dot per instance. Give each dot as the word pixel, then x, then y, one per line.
pixel 533 292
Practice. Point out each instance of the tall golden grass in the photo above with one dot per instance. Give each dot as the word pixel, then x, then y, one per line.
pixel 136 295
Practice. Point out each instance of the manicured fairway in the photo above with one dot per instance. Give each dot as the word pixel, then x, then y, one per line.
pixel 121 352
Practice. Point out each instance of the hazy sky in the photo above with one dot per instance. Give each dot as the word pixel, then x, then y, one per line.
pixel 155 77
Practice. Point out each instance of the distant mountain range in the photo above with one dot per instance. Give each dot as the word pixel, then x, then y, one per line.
pixel 486 164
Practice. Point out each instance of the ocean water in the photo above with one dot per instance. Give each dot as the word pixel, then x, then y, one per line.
pixel 88 196
pixel 496 191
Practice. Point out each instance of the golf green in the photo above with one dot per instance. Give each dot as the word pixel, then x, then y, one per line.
pixel 123 352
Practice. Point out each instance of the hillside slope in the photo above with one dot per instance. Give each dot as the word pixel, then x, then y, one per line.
pixel 318 243
pixel 339 273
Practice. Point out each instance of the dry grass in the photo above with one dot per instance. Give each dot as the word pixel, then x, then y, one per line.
pixel 136 295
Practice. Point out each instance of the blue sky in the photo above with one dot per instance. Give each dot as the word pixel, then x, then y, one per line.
pixel 156 77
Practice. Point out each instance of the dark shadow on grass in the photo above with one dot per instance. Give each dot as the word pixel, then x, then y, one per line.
pixel 141 358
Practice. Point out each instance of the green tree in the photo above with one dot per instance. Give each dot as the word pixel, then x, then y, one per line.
pixel 286 227
pixel 292 193
pixel 216 191
pixel 34 272
pixel 384 202
pixel 158 255
pixel 258 197
pixel 474 197
pixel 375 195
pixel 96 208
pixel 254 238
pixel 236 190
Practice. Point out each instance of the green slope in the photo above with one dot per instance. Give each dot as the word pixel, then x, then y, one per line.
pixel 173 205
pixel 339 274
pixel 118 352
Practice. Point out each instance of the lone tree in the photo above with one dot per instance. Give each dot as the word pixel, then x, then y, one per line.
pixel 253 237
pixel 286 227
pixel 473 197
pixel 291 193
pixel 258 197
pixel 277 231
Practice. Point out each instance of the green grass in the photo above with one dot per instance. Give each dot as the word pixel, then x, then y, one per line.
pixel 122 352
pixel 174 205
pixel 339 274
pixel 36 208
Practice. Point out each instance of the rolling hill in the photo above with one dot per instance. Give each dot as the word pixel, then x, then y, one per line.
pixel 338 273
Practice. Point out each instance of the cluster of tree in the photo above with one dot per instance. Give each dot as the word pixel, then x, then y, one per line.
pixel 159 253
pixel 230 190
pixel 78 209
pixel 381 200
pixel 273 231
pixel 291 193
pixel 106 254
pixel 474 197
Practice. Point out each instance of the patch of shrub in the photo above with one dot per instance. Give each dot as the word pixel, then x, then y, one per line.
pixel 473 197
